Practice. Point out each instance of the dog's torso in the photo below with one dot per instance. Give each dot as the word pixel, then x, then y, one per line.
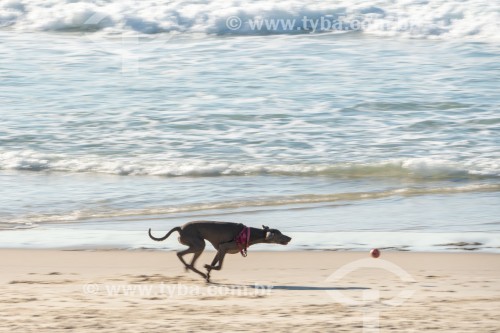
pixel 214 232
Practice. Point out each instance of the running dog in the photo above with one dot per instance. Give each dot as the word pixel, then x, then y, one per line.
pixel 226 237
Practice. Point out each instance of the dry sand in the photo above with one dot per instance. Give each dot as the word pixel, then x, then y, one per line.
pixel 145 291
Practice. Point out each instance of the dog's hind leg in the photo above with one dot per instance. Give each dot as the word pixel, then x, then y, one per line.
pixel 196 249
pixel 191 266
pixel 181 254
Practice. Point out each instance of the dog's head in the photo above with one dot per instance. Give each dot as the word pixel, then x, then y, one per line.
pixel 275 236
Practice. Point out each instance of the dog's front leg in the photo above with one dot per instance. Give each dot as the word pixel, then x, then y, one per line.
pixel 211 266
pixel 219 259
pixel 216 259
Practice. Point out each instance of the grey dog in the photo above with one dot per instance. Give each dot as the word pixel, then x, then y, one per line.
pixel 223 236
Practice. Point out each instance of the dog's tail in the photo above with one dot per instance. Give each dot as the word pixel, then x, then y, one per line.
pixel 164 237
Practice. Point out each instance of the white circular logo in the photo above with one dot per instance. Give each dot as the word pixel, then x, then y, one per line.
pixel 233 23
pixel 340 273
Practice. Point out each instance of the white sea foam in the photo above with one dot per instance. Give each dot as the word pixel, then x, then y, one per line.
pixel 414 168
pixel 414 18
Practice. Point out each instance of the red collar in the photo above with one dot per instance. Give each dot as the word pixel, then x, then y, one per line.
pixel 243 240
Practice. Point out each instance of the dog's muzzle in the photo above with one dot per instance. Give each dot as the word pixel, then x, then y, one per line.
pixel 286 241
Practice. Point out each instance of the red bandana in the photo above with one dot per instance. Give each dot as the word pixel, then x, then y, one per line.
pixel 243 240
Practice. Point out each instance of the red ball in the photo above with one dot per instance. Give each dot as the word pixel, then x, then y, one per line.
pixel 375 253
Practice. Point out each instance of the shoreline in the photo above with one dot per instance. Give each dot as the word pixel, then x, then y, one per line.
pixel 259 251
pixel 82 238
pixel 139 291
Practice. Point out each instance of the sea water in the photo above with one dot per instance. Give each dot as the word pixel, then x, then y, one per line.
pixel 346 125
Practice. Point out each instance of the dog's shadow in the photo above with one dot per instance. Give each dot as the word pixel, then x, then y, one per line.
pixel 315 288
pixel 275 287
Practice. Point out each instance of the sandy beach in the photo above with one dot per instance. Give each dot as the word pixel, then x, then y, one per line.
pixel 345 125
pixel 144 291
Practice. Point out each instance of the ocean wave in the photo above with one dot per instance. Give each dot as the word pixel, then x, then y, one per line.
pixel 415 18
pixel 268 202
pixel 409 168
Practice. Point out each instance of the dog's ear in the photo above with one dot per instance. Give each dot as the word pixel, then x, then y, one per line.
pixel 268 234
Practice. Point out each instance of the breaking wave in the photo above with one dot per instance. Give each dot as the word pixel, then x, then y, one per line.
pixel 414 18
pixel 413 168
